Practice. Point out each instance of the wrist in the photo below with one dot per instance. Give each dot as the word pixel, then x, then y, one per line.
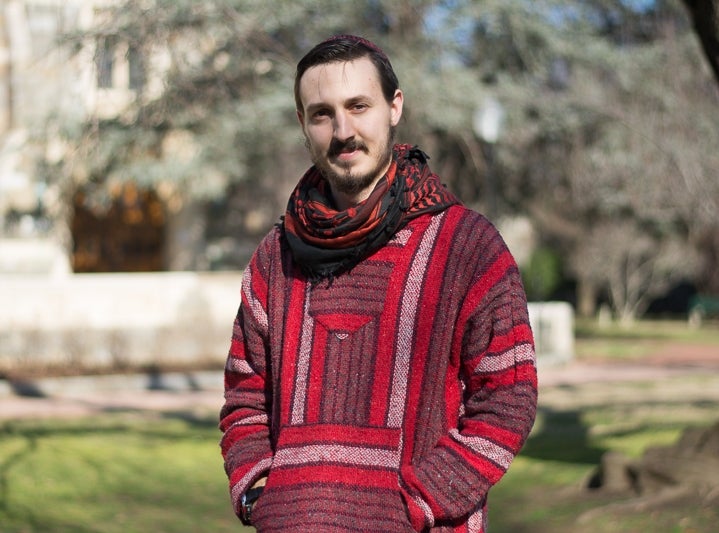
pixel 247 503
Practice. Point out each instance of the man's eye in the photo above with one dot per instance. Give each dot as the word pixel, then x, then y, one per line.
pixel 359 107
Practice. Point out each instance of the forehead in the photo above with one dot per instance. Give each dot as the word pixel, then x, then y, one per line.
pixel 339 81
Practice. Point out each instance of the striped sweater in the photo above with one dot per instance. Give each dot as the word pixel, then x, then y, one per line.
pixel 390 399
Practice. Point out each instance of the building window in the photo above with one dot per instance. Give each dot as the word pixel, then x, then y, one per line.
pixel 119 66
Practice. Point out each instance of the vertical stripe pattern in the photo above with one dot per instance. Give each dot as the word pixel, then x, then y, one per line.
pixel 391 398
pixel 408 313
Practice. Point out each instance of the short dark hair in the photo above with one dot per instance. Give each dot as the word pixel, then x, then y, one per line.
pixel 345 48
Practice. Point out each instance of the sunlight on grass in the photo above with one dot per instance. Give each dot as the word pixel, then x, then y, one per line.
pixel 643 338
pixel 123 473
pixel 578 423
pixel 113 475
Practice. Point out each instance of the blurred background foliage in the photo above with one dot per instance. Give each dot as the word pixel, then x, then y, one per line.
pixel 608 144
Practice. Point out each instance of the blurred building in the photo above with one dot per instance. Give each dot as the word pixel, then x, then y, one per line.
pixel 40 76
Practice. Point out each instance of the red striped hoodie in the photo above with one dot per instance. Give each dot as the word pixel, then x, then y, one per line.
pixel 389 399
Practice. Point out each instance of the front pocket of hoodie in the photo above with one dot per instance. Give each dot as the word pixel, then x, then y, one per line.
pixel 332 478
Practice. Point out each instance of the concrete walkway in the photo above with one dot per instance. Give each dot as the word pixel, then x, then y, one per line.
pixel 196 392
pixel 201 392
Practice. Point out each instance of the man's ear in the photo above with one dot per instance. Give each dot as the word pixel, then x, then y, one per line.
pixel 396 107
pixel 301 118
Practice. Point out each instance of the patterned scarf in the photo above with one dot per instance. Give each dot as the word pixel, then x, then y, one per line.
pixel 326 242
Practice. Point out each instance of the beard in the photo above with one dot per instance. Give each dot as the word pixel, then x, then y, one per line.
pixel 344 180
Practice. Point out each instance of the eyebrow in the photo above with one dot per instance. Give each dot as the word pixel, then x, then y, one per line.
pixel 314 107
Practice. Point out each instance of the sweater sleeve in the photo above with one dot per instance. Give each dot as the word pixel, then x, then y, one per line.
pixel 499 378
pixel 244 418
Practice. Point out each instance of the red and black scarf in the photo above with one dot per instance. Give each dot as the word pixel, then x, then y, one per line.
pixel 326 242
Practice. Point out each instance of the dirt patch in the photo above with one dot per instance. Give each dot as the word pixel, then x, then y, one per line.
pixel 685 355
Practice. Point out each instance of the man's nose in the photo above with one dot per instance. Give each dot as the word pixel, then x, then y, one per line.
pixel 344 127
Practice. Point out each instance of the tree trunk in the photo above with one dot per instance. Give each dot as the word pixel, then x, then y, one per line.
pixel 586 298
pixel 705 17
pixel 185 241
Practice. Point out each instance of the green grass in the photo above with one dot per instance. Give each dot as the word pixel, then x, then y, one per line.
pixel 120 474
pixel 545 489
pixel 116 474
pixel 140 473
pixel 675 330
pixel 643 338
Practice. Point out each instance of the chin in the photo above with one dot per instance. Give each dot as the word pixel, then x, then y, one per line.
pixel 350 184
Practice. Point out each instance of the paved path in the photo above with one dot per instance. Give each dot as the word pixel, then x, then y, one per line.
pixel 201 393
pixel 199 402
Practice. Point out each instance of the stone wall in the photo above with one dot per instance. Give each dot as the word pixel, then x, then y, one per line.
pixel 115 321
pixel 119 321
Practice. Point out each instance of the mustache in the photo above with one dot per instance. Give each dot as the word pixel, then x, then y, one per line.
pixel 337 147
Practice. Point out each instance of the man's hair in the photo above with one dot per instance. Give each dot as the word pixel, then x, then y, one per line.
pixel 345 48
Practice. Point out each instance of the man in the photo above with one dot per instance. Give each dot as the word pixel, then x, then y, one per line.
pixel 381 375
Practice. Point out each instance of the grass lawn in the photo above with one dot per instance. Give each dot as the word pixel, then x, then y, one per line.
pixel 545 489
pixel 642 339
pixel 118 474
pixel 140 473
pixel 545 492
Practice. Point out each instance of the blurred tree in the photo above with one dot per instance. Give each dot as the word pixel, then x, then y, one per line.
pixel 214 112
pixel 610 112
pixel 705 17
pixel 634 263
pixel 542 274
pixel 610 119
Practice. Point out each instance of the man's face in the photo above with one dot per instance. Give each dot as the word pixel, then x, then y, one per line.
pixel 348 125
